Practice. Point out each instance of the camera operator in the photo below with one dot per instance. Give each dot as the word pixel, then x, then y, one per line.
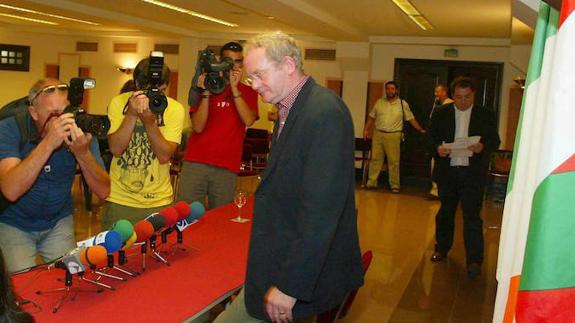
pixel 214 150
pixel 142 149
pixel 36 176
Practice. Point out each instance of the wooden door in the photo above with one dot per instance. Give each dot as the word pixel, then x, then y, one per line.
pixel 417 80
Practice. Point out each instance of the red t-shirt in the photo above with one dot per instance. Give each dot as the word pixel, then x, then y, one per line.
pixel 220 144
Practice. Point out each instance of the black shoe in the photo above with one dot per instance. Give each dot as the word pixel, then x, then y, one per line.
pixel 438 256
pixel 473 270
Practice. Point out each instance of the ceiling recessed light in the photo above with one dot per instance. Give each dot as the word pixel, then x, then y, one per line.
pixel 271 17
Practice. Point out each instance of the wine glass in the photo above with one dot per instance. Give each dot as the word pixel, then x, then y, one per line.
pixel 240 200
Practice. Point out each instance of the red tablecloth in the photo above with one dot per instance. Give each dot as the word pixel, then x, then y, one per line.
pixel 194 280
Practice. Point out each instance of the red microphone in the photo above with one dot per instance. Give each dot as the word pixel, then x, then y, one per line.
pixel 171 215
pixel 144 230
pixel 183 209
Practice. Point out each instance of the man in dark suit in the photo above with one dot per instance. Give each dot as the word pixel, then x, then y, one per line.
pixel 304 255
pixel 462 178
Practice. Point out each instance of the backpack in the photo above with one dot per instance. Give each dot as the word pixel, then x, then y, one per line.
pixel 19 109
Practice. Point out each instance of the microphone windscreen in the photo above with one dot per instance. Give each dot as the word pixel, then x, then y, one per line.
pixel 124 228
pixel 93 255
pixel 157 221
pixel 130 241
pixel 170 216
pixel 198 210
pixel 144 230
pixel 112 242
pixel 183 209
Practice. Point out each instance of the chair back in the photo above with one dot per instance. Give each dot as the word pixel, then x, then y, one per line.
pixel 341 311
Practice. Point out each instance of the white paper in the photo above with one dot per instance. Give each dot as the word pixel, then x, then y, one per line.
pixel 459 146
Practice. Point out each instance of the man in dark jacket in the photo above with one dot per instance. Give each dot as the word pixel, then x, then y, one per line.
pixel 461 177
pixel 304 255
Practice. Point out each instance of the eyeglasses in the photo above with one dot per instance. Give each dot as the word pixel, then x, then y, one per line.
pixel 51 89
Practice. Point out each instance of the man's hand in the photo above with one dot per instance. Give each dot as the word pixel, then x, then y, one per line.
pixel 78 142
pixel 278 305
pixel 366 134
pixel 138 103
pixel 139 106
pixel 58 130
pixel 201 79
pixel 235 76
pixel 476 148
pixel 443 151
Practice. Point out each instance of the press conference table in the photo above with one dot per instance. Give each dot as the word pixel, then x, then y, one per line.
pixel 194 280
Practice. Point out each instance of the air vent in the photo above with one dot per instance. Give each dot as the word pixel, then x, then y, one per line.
pixel 167 48
pixel 86 46
pixel 320 54
pixel 125 47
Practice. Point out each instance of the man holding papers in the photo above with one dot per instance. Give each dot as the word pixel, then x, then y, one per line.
pixel 463 136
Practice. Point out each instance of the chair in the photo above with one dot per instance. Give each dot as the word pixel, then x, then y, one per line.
pixel 499 168
pixel 341 311
pixel 364 146
pixel 254 133
pixel 177 159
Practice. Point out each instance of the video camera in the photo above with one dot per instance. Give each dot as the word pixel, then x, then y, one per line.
pixel 208 64
pixel 96 125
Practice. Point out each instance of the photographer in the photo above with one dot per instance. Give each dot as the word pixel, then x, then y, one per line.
pixel 142 142
pixel 213 155
pixel 36 176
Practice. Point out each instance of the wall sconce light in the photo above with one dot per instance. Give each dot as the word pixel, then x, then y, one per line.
pixel 520 81
pixel 126 70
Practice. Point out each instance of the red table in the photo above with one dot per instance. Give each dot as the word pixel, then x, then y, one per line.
pixel 195 279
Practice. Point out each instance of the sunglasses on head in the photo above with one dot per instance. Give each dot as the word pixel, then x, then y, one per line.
pixel 51 89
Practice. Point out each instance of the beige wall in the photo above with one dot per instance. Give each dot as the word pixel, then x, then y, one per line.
pixel 356 64
pixel 47 49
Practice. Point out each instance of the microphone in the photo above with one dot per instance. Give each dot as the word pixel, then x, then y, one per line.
pixel 156 220
pixel 183 209
pixel 124 228
pixel 197 210
pixel 78 259
pixel 111 240
pixel 170 215
pixel 144 230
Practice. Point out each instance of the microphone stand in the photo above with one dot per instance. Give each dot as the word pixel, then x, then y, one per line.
pixel 68 289
pixel 110 265
pixel 179 245
pixel 155 254
pixel 102 273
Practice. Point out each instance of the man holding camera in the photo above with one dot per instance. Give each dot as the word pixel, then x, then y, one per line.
pixel 214 151
pixel 37 170
pixel 142 142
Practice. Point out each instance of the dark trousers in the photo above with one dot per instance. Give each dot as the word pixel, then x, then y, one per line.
pixel 454 186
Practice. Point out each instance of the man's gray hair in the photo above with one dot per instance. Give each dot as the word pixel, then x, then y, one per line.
pixel 277 45
pixel 38 86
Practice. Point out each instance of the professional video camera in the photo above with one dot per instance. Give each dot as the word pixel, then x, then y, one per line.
pixel 208 64
pixel 96 125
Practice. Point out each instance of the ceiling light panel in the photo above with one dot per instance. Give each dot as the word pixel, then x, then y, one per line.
pixel 47 14
pixel 40 21
pixel 189 12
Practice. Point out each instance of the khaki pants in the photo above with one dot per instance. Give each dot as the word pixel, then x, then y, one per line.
pixel 112 212
pixel 238 313
pixel 385 145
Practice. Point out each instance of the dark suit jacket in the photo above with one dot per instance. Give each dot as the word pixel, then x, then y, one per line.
pixel 304 236
pixel 442 129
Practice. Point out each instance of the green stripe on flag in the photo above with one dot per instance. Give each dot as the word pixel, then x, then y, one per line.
pixel 550 250
pixel 547 24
